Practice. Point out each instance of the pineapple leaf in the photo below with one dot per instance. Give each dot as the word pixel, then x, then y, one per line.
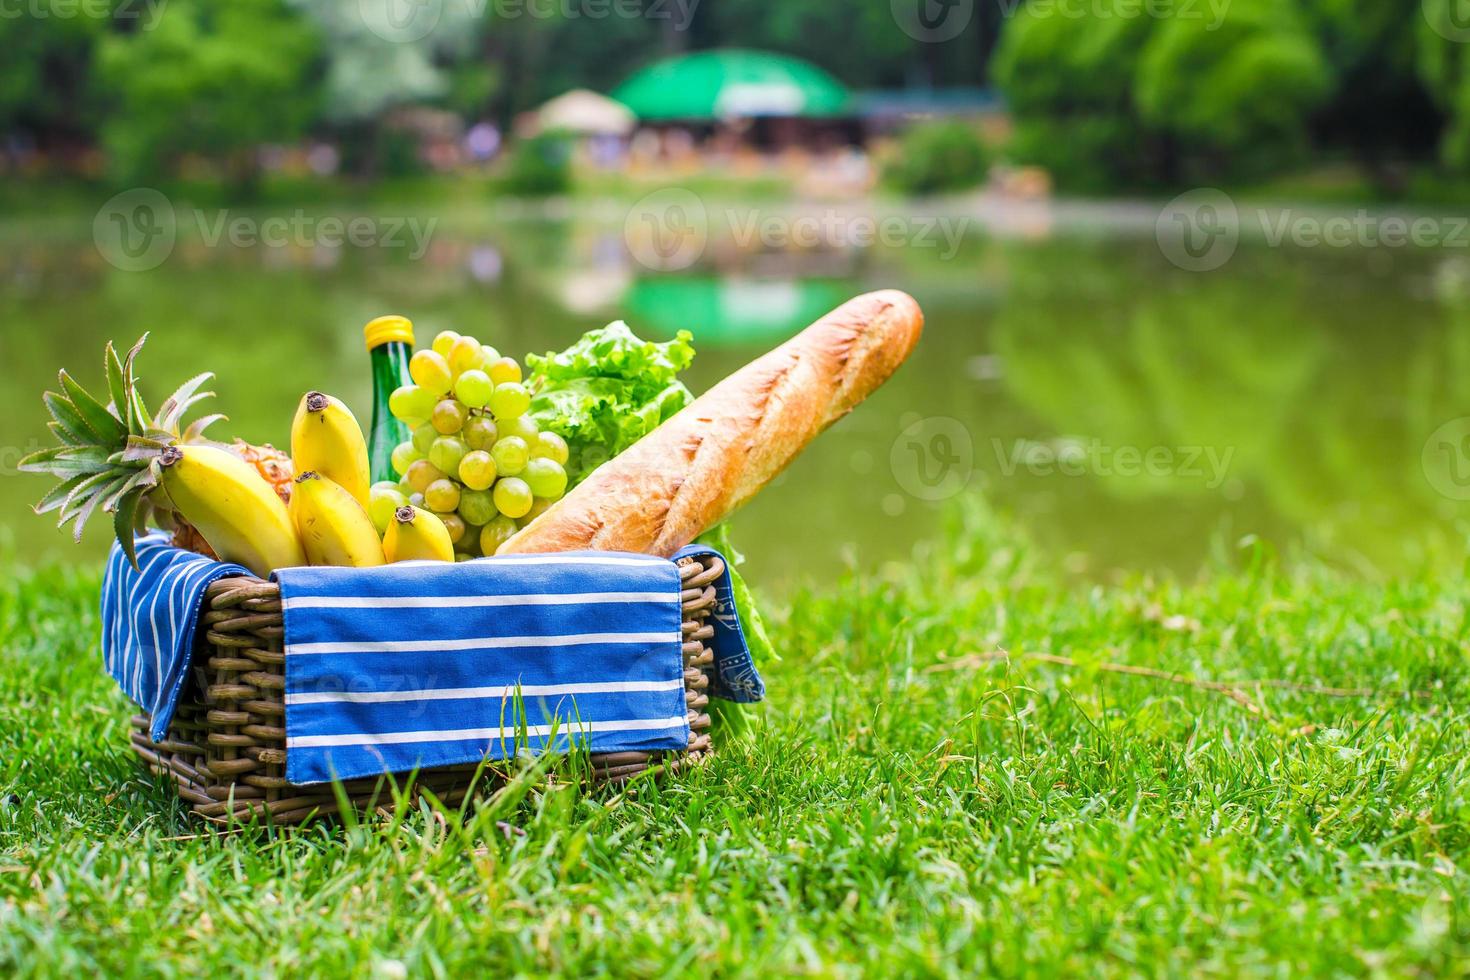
pixel 142 481
pixel 142 448
pixel 66 416
pixel 123 519
pixel 63 436
pixel 88 454
pixel 83 497
pixel 173 409
pixel 195 432
pixel 61 466
pixel 57 495
pixel 108 426
pixel 84 514
pixel 40 461
pixel 140 417
pixel 117 384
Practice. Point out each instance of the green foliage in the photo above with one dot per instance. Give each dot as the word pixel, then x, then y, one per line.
pixel 1235 97
pixel 212 78
pixel 540 166
pixel 1105 101
pixel 45 72
pixel 937 157
pixel 1068 81
pixel 915 803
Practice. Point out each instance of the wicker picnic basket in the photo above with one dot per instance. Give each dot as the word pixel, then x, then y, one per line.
pixel 226 747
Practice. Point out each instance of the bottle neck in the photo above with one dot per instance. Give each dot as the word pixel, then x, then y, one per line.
pixel 390 370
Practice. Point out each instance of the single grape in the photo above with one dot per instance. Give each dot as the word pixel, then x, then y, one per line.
pixel 382 502
pixel 477 507
pixel 454 526
pixel 449 416
pixel 510 400
pixel 504 370
pixel 496 533
pixel 404 456
pixel 546 478
pixel 411 404
pixel 474 388
pixel 488 355
pixel 549 445
pixel 522 425
pixel 446 453
pixel 385 485
pixel 442 495
pixel 464 354
pixel 479 432
pixel 424 436
pixel 444 341
pixel 510 455
pixel 512 497
pixel 460 556
pixel 421 473
pixel 477 469
pixel 430 371
pixel 417 500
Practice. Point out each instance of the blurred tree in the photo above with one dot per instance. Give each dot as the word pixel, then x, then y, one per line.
pixel 935 157
pixel 212 77
pixel 1443 66
pixel 45 78
pixel 1106 101
pixel 1069 84
pixel 1235 95
pixel 1381 112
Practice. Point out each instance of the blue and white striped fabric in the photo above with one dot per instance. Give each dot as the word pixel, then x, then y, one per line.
pixel 148 617
pixel 426 664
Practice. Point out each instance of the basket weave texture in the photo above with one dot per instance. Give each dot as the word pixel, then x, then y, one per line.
pixel 226 748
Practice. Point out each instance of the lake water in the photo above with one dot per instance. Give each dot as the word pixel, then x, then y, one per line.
pixel 1127 413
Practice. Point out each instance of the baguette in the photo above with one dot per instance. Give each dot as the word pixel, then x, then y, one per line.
pixel 701 465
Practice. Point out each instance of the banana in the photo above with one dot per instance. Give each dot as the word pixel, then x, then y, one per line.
pixel 333 527
pixel 325 438
pixel 236 511
pixel 417 535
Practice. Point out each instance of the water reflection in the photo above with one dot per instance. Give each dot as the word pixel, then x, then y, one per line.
pixel 1130 414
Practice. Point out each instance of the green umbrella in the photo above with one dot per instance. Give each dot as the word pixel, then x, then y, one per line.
pixel 732 82
pixel 731 312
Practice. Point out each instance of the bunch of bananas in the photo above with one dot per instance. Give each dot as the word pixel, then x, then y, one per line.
pixel 326 521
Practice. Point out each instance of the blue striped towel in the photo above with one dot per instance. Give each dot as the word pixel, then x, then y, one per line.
pixel 426 664
pixel 148 617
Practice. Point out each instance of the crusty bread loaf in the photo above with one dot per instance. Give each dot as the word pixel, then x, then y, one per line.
pixel 699 466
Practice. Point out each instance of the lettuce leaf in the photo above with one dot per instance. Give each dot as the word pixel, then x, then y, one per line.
pixel 607 391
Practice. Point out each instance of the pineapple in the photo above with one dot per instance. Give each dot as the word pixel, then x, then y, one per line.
pixel 274 468
pixel 109 454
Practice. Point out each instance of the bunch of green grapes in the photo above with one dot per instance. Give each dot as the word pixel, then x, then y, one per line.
pixel 476 458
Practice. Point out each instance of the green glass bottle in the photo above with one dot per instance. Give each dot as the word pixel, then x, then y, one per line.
pixel 390 345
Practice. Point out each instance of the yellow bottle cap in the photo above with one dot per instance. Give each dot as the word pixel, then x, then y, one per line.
pixel 386 329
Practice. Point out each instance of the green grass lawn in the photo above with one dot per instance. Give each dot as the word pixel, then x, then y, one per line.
pixel 1287 793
